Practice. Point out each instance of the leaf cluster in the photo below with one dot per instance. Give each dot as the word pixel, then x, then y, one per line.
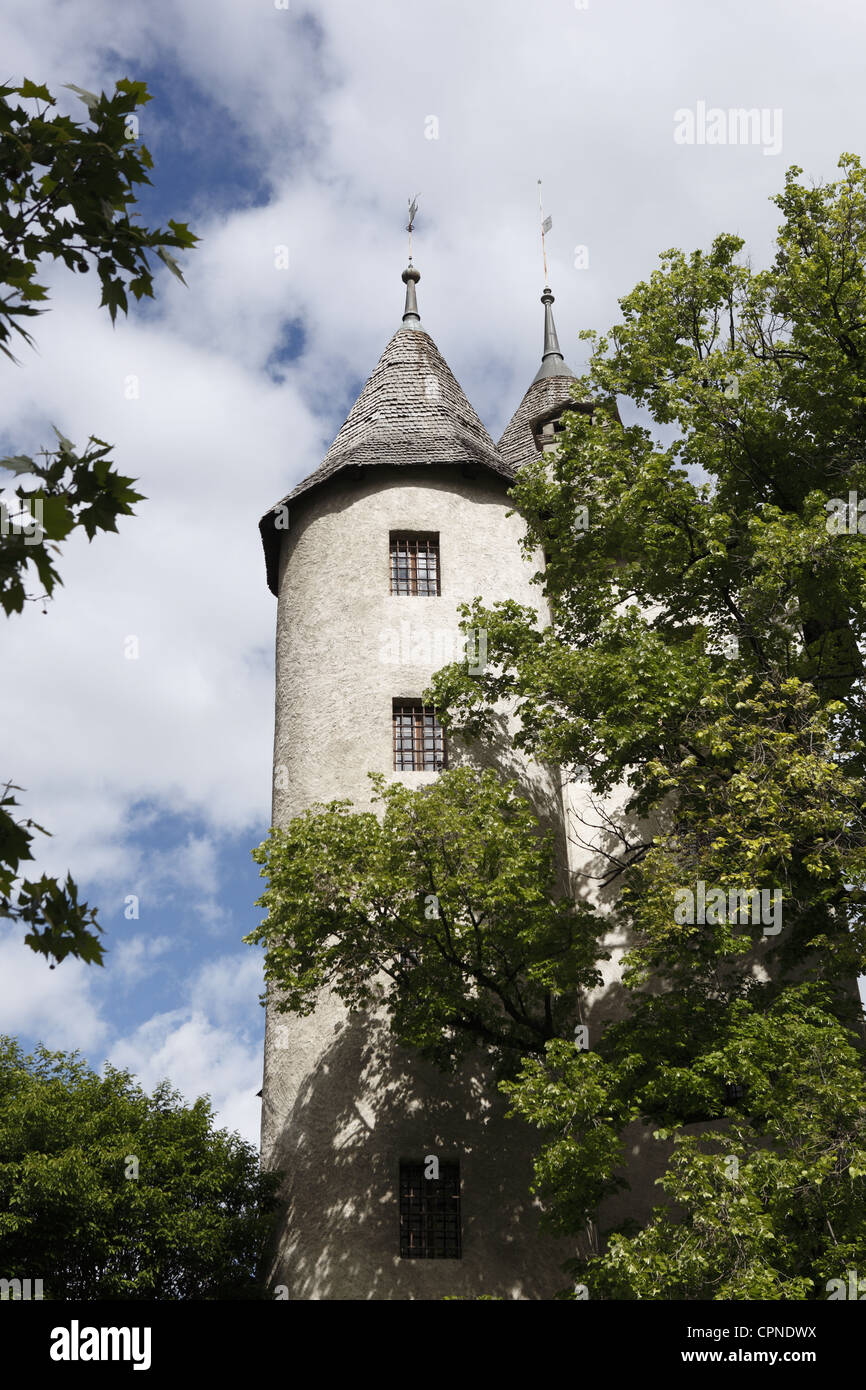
pixel 67 192
pixel 450 895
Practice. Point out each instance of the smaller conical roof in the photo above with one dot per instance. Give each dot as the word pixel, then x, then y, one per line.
pixel 549 392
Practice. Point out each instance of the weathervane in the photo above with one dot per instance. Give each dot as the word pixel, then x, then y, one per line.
pixel 546 224
pixel 410 227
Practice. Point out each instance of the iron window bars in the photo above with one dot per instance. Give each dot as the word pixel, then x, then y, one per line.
pixel 430 1213
pixel 415 564
pixel 419 739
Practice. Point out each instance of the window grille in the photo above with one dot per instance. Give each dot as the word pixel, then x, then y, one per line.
pixel 419 739
pixel 415 564
pixel 430 1213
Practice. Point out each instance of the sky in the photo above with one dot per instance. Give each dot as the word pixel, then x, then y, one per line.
pixel 291 136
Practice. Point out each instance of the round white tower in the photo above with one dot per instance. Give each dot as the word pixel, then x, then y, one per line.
pixel 406 518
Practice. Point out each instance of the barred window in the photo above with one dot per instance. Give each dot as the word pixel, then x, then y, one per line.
pixel 734 1091
pixel 419 739
pixel 415 563
pixel 547 428
pixel 430 1213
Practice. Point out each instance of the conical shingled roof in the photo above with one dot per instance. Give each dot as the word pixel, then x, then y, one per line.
pixel 544 400
pixel 548 393
pixel 411 411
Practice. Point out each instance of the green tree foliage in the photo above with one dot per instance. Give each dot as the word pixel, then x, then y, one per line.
pixel 769 1202
pixel 67 193
pixel 707 651
pixel 451 894
pixel 108 1193
pixel 68 189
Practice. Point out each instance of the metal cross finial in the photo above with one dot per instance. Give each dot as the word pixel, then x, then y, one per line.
pixel 413 211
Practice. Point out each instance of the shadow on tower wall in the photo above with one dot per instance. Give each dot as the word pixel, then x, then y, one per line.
pixel 367 1105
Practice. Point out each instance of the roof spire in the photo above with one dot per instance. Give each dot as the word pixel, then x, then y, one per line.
pixel 410 278
pixel 552 361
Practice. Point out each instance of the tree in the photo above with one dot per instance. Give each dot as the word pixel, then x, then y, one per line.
pixel 451 895
pixel 67 190
pixel 109 1193
pixel 768 1204
pixel 706 653
pixel 715 579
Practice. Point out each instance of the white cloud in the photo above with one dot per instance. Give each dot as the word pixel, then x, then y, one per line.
pixel 187 872
pixel 199 1060
pixel 56 1006
pixel 208 1047
pixel 132 959
pixel 225 987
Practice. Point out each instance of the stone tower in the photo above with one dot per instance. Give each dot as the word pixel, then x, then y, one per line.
pixel 369 557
